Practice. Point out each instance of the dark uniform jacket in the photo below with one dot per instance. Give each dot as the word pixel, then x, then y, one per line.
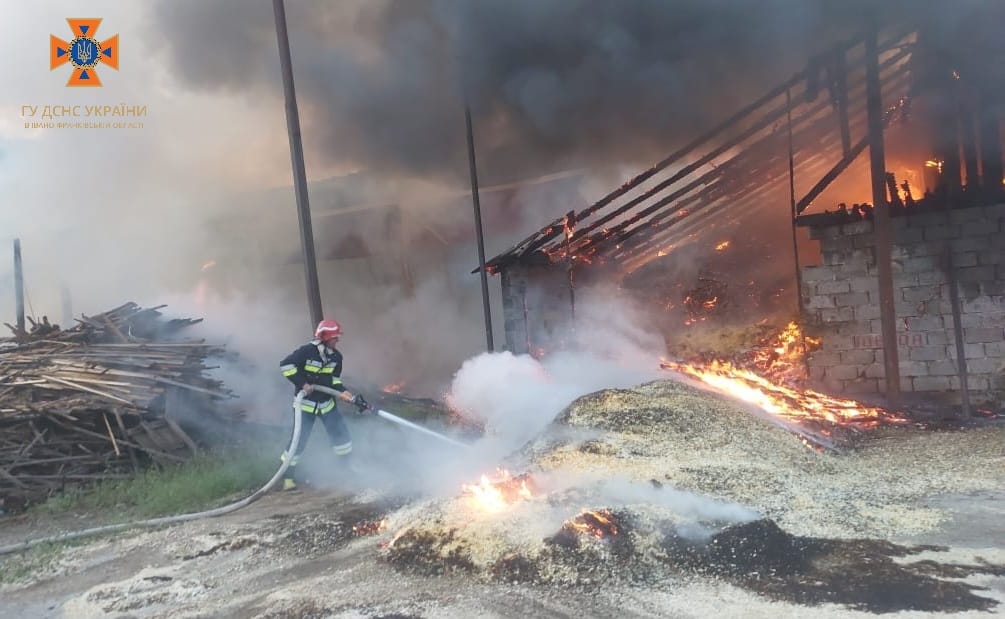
pixel 316 364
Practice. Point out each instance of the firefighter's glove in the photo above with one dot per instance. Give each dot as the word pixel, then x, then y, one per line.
pixel 360 403
pixel 307 388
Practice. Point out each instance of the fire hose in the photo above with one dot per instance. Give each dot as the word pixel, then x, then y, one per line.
pixel 226 509
pixel 401 422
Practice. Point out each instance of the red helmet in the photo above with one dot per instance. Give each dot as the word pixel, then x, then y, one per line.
pixel 328 329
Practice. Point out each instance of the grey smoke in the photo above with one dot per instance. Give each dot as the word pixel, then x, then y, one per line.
pixel 550 83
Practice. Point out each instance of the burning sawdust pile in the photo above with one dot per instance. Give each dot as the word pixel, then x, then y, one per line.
pixel 694 440
pixel 771 375
pixel 644 484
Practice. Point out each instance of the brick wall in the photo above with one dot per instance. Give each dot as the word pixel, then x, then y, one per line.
pixel 841 304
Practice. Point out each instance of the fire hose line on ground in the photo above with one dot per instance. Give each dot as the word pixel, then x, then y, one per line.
pixel 226 509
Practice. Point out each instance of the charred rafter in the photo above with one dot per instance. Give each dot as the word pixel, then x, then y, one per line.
pixel 607 224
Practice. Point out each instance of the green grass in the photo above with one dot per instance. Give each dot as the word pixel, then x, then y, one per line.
pixel 203 482
pixel 19 567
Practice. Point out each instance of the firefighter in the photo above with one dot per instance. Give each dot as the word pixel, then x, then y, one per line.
pixel 319 363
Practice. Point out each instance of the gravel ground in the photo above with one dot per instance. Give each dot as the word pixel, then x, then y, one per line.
pixel 717 513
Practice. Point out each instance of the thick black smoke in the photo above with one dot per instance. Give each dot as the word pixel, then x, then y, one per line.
pixel 551 83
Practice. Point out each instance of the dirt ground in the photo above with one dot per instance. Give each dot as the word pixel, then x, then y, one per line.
pixel 297 555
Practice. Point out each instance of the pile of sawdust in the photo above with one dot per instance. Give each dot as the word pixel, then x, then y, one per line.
pixel 682 438
pixel 703 442
pixel 148 590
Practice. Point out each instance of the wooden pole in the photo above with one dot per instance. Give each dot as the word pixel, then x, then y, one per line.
pixel 792 204
pixel 883 229
pixel 18 286
pixel 299 170
pixel 476 204
pixel 961 357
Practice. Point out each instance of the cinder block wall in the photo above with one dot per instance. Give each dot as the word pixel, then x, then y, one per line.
pixel 841 304
pixel 537 309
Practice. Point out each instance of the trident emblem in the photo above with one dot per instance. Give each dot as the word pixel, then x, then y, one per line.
pixel 84 52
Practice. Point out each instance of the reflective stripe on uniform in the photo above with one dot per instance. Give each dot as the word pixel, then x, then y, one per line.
pixel 293 461
pixel 317 367
pixel 342 450
pixel 288 369
pixel 336 381
pixel 320 408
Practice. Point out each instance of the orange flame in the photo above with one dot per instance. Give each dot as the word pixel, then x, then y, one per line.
pixel 494 495
pixel 599 524
pixel 772 385
pixel 393 387
pixel 369 527
pixel 783 401
pixel 782 359
pixel 721 246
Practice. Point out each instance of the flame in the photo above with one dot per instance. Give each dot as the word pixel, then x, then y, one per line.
pixel 567 229
pixel 782 358
pixel 934 163
pixel 786 402
pixel 772 384
pixel 721 246
pixel 369 527
pixel 710 303
pixel 394 538
pixel 393 387
pixel 209 265
pixel 599 524
pixel 494 495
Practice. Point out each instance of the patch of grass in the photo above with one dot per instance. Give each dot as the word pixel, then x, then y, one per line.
pixel 203 482
pixel 19 567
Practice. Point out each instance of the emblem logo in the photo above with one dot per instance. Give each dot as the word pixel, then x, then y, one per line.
pixel 84 52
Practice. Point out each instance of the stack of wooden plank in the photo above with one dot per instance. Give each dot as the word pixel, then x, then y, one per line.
pixel 94 402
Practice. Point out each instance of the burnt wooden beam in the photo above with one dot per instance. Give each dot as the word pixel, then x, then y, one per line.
pixel 766 121
pixel 991 150
pixel 954 303
pixel 881 214
pixel 752 164
pixel 971 161
pixel 708 214
pixel 841 86
pixel 749 158
pixel 817 112
pixel 749 190
pixel 749 185
pixel 836 171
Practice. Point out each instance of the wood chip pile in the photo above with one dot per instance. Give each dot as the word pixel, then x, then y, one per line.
pixel 95 401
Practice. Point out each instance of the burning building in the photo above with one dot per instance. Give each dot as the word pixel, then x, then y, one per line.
pixel 777 164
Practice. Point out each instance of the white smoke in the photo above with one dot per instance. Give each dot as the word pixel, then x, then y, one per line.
pixel 687 505
pixel 517 396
